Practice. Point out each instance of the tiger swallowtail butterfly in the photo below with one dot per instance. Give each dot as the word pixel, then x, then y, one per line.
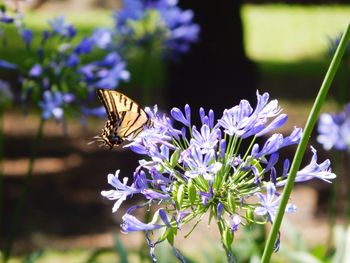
pixel 126 119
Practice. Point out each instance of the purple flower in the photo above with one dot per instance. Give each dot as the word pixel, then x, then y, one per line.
pixel 122 190
pixel 61 27
pixel 106 73
pixel 276 142
pixel 201 165
pixel 313 170
pixel 206 140
pixel 85 46
pixel 132 224
pixel 269 205
pixel 7 65
pixel 27 36
pixel 180 31
pixel 334 131
pixel 35 71
pixel 236 220
pixel 102 38
pixel 242 121
pixel 51 105
pixel 178 115
pixel 5 18
pixel 72 60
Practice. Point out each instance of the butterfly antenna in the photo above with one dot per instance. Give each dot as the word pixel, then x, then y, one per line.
pixel 95 139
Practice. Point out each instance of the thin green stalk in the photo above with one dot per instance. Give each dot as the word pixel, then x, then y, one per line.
pixel 1 173
pixel 303 143
pixel 24 193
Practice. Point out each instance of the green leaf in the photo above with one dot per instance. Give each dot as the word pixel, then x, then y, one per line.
pixel 192 192
pixel 227 237
pixel 231 202
pixel 180 194
pixel 118 245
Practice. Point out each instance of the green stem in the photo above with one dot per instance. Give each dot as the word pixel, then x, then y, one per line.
pixel 1 169
pixel 303 143
pixel 24 193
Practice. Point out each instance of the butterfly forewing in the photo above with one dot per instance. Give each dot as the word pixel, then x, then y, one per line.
pixel 126 117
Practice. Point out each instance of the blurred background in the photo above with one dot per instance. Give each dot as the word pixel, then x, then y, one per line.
pixel 282 47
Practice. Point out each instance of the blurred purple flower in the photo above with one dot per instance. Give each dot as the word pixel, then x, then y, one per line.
pixel 7 65
pixel 52 103
pixel 105 73
pixel 61 27
pixel 35 71
pixel 334 130
pixel 269 205
pixel 27 36
pixel 181 31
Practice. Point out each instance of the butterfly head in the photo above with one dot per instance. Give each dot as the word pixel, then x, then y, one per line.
pixel 108 136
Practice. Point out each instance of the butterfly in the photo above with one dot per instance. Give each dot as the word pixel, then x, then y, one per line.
pixel 126 119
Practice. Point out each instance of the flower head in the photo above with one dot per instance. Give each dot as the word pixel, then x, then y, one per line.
pixel 193 171
pixel 160 21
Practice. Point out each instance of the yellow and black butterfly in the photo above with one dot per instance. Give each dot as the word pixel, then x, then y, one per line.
pixel 126 119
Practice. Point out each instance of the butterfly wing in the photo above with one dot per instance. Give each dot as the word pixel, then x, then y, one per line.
pixel 125 117
pixel 132 123
pixel 115 103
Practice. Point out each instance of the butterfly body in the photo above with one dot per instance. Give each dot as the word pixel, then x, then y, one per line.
pixel 126 119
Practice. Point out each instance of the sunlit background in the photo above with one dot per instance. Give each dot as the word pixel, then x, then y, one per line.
pixel 64 216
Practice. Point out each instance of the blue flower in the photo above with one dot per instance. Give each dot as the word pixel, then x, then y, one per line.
pixel 73 60
pixel 35 71
pixel 132 224
pixel 176 30
pixel 210 170
pixel 85 46
pixel 206 140
pixel 27 36
pixel 5 18
pixel 178 115
pixel 242 121
pixel 313 170
pixel 7 65
pixel 122 190
pixel 269 205
pixel 334 131
pixel 236 221
pixel 61 27
pixel 102 38
pixel 201 165
pixel 52 104
pixel 105 73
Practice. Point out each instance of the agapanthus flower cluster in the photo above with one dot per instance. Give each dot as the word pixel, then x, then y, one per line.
pixel 334 130
pixel 216 168
pixel 59 78
pixel 157 23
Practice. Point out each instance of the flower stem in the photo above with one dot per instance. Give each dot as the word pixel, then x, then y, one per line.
pixel 24 192
pixel 1 173
pixel 304 141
